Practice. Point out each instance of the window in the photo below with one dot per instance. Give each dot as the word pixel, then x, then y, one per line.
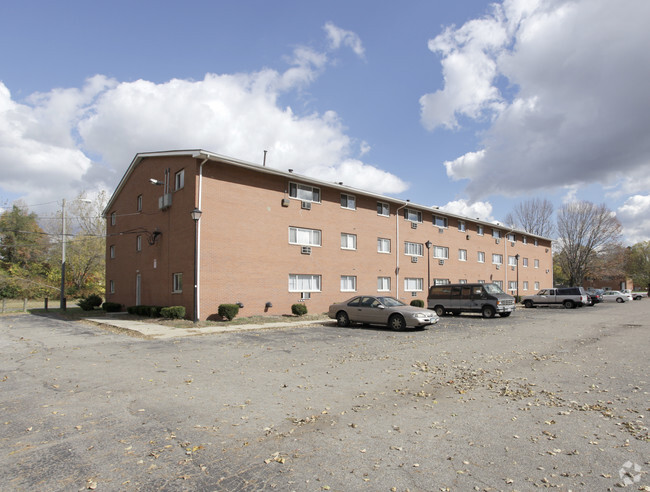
pixel 112 251
pixel 348 283
pixel 383 284
pixel 413 215
pixel 497 259
pixel 461 226
pixel 525 284
pixel 511 237
pixel 383 245
pixel 113 218
pixel 440 221
pixel 462 281
pixel 481 257
pixel 524 239
pixel 413 249
pixel 348 241
pixel 348 201
pixel 479 230
pixel 481 281
pixel 536 285
pixel 304 283
pixel 177 282
pixel 536 244
pixel 441 281
pixel 304 237
pixel 304 192
pixel 536 263
pixel 462 254
pixel 512 285
pixel 512 261
pixel 499 284
pixel 179 180
pixel 139 203
pixel 138 243
pixel 496 233
pixel 111 287
pixel 413 284
pixel 525 262
pixel 441 252
pixel 383 209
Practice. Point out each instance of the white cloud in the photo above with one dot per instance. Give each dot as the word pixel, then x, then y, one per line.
pixel 340 37
pixel 564 86
pixel 59 143
pixel 635 218
pixel 479 210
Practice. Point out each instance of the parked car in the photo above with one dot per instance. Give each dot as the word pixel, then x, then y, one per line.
pixel 569 297
pixel 381 310
pixel 595 296
pixel 487 299
pixel 636 295
pixel 616 296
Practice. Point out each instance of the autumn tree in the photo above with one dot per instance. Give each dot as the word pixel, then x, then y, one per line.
pixel 534 216
pixel 583 230
pixel 637 265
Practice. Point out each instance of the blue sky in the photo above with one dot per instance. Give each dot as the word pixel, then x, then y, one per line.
pixel 472 106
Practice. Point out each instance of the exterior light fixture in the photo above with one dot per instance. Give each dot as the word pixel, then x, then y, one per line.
pixel 428 244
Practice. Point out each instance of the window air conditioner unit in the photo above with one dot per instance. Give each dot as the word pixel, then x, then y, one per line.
pixel 414 259
pixel 512 243
pixel 165 201
pixel 497 241
pixel 306 205
pixel 414 225
pixel 305 295
pixel 441 262
pixel 467 237
pixel 512 268
pixel 305 250
pixel 285 202
pixel 441 230
pixel 498 267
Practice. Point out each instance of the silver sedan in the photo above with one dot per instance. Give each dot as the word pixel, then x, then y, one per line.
pixel 381 310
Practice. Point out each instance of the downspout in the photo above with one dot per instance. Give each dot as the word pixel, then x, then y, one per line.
pixel 397 248
pixel 198 240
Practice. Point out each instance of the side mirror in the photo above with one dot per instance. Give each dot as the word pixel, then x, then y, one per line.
pixel 381 306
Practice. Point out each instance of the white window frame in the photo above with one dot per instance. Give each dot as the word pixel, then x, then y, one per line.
pixel 511 237
pixel 525 285
pixel 512 261
pixel 525 262
pixel 177 283
pixel 112 251
pixel 480 231
pixel 497 259
pixel 111 286
pixel 416 282
pixel 304 282
pixel 304 192
pixel 383 284
pixel 138 203
pixel 440 221
pixel 496 233
pixel 536 243
pixel 413 215
pixel 113 218
pixel 441 281
pixel 348 283
pixel 314 236
pixel 512 285
pixel 462 255
pixel 179 180
pixel 382 241
pixel 138 243
pixel 480 257
pixel 536 286
pixel 524 239
pixel 461 226
pixel 348 202
pixel 499 283
pixel 536 263
pixel 441 252
pixel 347 238
pixel 413 249
pixel 383 209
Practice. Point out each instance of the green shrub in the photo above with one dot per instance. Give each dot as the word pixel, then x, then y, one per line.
pixel 149 311
pixel 90 302
pixel 417 303
pixel 173 312
pixel 112 307
pixel 299 309
pixel 228 311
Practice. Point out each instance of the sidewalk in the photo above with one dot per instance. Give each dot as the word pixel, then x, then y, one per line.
pixel 153 330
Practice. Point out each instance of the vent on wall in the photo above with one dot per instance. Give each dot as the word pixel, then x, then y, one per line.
pixel 414 225
pixel 305 250
pixel 414 259
pixel 497 241
pixel 441 262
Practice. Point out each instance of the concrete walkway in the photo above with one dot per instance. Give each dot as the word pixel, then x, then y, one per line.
pixel 153 330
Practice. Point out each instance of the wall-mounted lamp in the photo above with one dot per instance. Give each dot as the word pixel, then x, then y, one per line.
pixel 268 305
pixel 240 304
pixel 156 182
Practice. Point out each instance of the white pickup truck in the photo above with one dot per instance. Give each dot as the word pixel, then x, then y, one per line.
pixel 636 295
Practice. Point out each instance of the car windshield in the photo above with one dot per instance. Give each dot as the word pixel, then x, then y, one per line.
pixel 493 289
pixel 390 301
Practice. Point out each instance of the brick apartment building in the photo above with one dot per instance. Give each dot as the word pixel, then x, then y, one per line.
pixel 268 239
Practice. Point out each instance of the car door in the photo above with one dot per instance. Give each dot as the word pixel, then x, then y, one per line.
pixel 368 311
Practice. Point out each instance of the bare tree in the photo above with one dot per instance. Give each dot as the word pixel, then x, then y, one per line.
pixel 533 216
pixel 584 229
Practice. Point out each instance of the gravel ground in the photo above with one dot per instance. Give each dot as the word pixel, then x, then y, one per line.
pixel 547 398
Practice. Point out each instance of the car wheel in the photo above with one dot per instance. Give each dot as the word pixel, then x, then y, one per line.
pixel 488 312
pixel 440 311
pixel 342 318
pixel 397 322
pixel 569 304
pixel 619 299
pixel 528 303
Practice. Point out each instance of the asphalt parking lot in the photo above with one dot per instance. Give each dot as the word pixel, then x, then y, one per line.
pixel 547 398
